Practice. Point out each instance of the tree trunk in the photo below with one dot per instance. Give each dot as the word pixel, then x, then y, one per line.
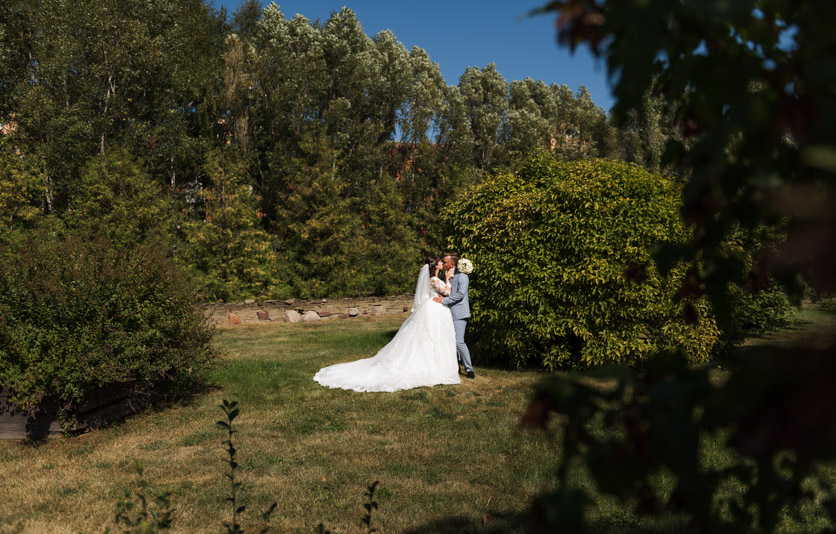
pixel 48 195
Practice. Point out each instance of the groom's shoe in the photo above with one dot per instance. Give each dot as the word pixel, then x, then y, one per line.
pixel 471 374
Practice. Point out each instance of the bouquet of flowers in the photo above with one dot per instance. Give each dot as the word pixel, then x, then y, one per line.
pixel 465 266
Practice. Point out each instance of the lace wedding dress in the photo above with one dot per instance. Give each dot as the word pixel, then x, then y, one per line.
pixel 422 353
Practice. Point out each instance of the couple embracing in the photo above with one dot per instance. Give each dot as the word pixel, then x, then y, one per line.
pixel 425 349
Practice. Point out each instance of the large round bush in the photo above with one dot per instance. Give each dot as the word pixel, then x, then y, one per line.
pixel 78 314
pixel 563 269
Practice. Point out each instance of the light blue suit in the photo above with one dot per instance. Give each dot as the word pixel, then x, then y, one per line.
pixel 460 310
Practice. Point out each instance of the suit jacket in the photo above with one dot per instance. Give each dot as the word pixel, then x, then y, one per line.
pixel 457 301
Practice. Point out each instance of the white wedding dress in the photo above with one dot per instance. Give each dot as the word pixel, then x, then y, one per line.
pixel 422 353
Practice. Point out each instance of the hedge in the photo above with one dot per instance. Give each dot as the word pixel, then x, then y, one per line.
pixel 563 270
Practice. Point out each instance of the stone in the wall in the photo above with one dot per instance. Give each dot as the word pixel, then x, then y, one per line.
pixel 378 310
pixel 249 301
pixel 292 316
pixel 344 316
pixel 324 313
pixel 353 312
pixel 289 302
pixel 263 315
pixel 405 309
pixel 310 316
pixel 234 319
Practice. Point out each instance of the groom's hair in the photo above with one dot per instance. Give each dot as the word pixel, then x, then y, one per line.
pixel 452 254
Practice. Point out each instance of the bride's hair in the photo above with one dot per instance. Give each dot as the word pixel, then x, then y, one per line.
pixel 432 261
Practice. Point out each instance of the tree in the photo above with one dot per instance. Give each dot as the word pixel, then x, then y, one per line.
pixel 230 251
pixel 84 76
pixel 579 128
pixel 397 73
pixel 390 241
pixel 454 134
pixel 424 97
pixel 291 86
pixel 21 186
pixel 245 19
pixel 356 124
pixel 113 98
pixel 117 199
pixel 528 125
pixel 484 95
pixel 238 91
pixel 646 132
pixel 320 231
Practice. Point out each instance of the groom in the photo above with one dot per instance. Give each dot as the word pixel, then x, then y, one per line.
pixel 459 308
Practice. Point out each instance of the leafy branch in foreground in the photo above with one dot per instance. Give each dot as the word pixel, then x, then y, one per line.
pixel 751 94
pixel 746 454
pixel 231 411
pixel 153 512
pixel 145 518
pixel 369 505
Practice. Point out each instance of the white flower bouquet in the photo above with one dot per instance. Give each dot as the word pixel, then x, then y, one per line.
pixel 465 266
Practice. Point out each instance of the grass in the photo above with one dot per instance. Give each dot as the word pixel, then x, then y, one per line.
pixel 448 458
pixel 814 327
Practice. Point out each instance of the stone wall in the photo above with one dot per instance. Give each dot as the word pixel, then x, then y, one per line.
pixel 327 309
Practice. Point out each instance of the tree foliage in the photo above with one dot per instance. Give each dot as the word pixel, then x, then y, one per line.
pixel 21 187
pixel 366 131
pixel 229 250
pixel 117 199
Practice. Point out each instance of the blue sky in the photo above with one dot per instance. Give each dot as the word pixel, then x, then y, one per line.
pixel 461 33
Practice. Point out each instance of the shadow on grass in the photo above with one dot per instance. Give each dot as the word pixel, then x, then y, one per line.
pixel 107 407
pixel 500 523
pixel 520 522
pixel 390 334
pixel 812 330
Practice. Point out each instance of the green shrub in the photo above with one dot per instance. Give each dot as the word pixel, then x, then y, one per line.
pixel 758 312
pixel 563 270
pixel 77 314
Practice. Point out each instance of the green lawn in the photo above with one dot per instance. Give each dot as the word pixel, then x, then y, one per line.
pixel 448 458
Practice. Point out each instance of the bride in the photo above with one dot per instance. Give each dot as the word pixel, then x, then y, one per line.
pixel 422 353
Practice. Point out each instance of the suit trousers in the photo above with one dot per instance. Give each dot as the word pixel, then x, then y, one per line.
pixel 459 325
